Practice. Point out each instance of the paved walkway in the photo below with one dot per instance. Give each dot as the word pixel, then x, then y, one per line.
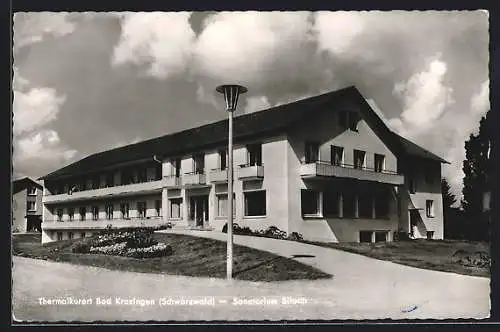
pixel 361 288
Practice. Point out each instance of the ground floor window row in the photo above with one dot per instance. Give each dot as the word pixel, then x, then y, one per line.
pixel 374 236
pixel 70 235
pixel 345 204
pixel 254 205
pixel 83 213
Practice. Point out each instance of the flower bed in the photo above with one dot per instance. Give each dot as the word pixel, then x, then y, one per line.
pixel 138 243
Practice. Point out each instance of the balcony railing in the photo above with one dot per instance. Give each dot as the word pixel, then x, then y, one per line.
pixel 194 179
pixel 251 172
pixel 320 169
pixel 217 175
pixel 172 181
pixel 116 191
pixel 102 223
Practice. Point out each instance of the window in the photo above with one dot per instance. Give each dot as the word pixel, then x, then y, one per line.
pixel 96 182
pixel 175 208
pixel 429 208
pixel 348 204
pixel 331 203
pixel 337 155
pixel 59 213
pixel 109 211
pixel 31 206
pixel 365 236
pixel 158 207
pixel 430 235
pixel 59 236
pixel 141 209
pixel 83 212
pixel 310 202
pixel 71 213
pixel 124 210
pixel 110 179
pixel 127 176
pixel 82 235
pixel 198 163
pixel 382 199
pixel 142 174
pixel 353 121
pixel 412 185
pixel 379 161
pixel 254 154
pixel 222 160
pixel 223 205
pixel 176 167
pixel 70 235
pixel 32 191
pixel 311 152
pixel 359 159
pixel 381 236
pixel 255 203
pixel 95 212
pixel 343 119
pixel 365 205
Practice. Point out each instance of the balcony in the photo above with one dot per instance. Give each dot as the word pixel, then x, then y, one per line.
pixel 251 172
pixel 172 181
pixel 322 169
pixel 218 176
pixel 194 180
pixel 102 223
pixel 116 191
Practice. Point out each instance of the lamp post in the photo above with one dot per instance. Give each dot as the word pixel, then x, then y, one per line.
pixel 231 93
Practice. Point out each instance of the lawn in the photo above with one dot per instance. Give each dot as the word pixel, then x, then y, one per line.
pixel 440 255
pixel 192 256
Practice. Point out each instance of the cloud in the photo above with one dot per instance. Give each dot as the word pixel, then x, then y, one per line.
pixel 425 98
pixel 480 101
pixel 162 41
pixel 30 28
pixel 35 108
pixel 256 103
pixel 336 31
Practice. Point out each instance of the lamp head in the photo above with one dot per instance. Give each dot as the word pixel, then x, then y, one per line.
pixel 231 93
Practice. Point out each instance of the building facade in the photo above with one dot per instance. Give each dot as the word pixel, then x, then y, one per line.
pixel 26 206
pixel 326 167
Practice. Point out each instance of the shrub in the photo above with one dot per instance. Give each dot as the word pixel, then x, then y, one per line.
pixel 477 259
pixel 156 250
pixel 167 225
pixel 401 235
pixel 81 247
pixel 141 238
pixel 274 232
pixel 294 236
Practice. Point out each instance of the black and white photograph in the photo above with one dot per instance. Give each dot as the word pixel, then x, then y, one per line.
pixel 228 166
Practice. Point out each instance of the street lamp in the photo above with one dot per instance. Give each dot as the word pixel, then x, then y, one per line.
pixel 231 93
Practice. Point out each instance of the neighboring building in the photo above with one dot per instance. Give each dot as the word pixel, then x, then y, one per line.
pixel 326 167
pixel 26 206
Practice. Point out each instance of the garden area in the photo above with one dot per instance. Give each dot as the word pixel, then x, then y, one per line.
pixel 143 250
pixel 457 256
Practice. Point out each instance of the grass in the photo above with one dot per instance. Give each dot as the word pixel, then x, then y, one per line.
pixel 436 255
pixel 192 256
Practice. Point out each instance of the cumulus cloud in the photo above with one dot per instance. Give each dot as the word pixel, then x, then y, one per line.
pixel 480 101
pixel 30 28
pixel 35 108
pixel 425 98
pixel 162 41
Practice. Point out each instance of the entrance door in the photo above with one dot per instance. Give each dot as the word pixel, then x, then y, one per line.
pixel 199 209
pixel 414 215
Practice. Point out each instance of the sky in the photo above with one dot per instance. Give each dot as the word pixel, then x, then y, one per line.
pixel 88 82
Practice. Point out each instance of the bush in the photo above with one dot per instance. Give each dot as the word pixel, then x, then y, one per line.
pixel 294 236
pixel 477 259
pixel 274 232
pixel 141 238
pixel 401 235
pixel 81 247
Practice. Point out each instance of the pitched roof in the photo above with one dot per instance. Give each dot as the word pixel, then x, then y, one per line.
pixel 415 150
pixel 23 183
pixel 259 123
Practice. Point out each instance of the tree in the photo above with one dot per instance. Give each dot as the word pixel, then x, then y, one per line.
pixel 477 170
pixel 452 217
